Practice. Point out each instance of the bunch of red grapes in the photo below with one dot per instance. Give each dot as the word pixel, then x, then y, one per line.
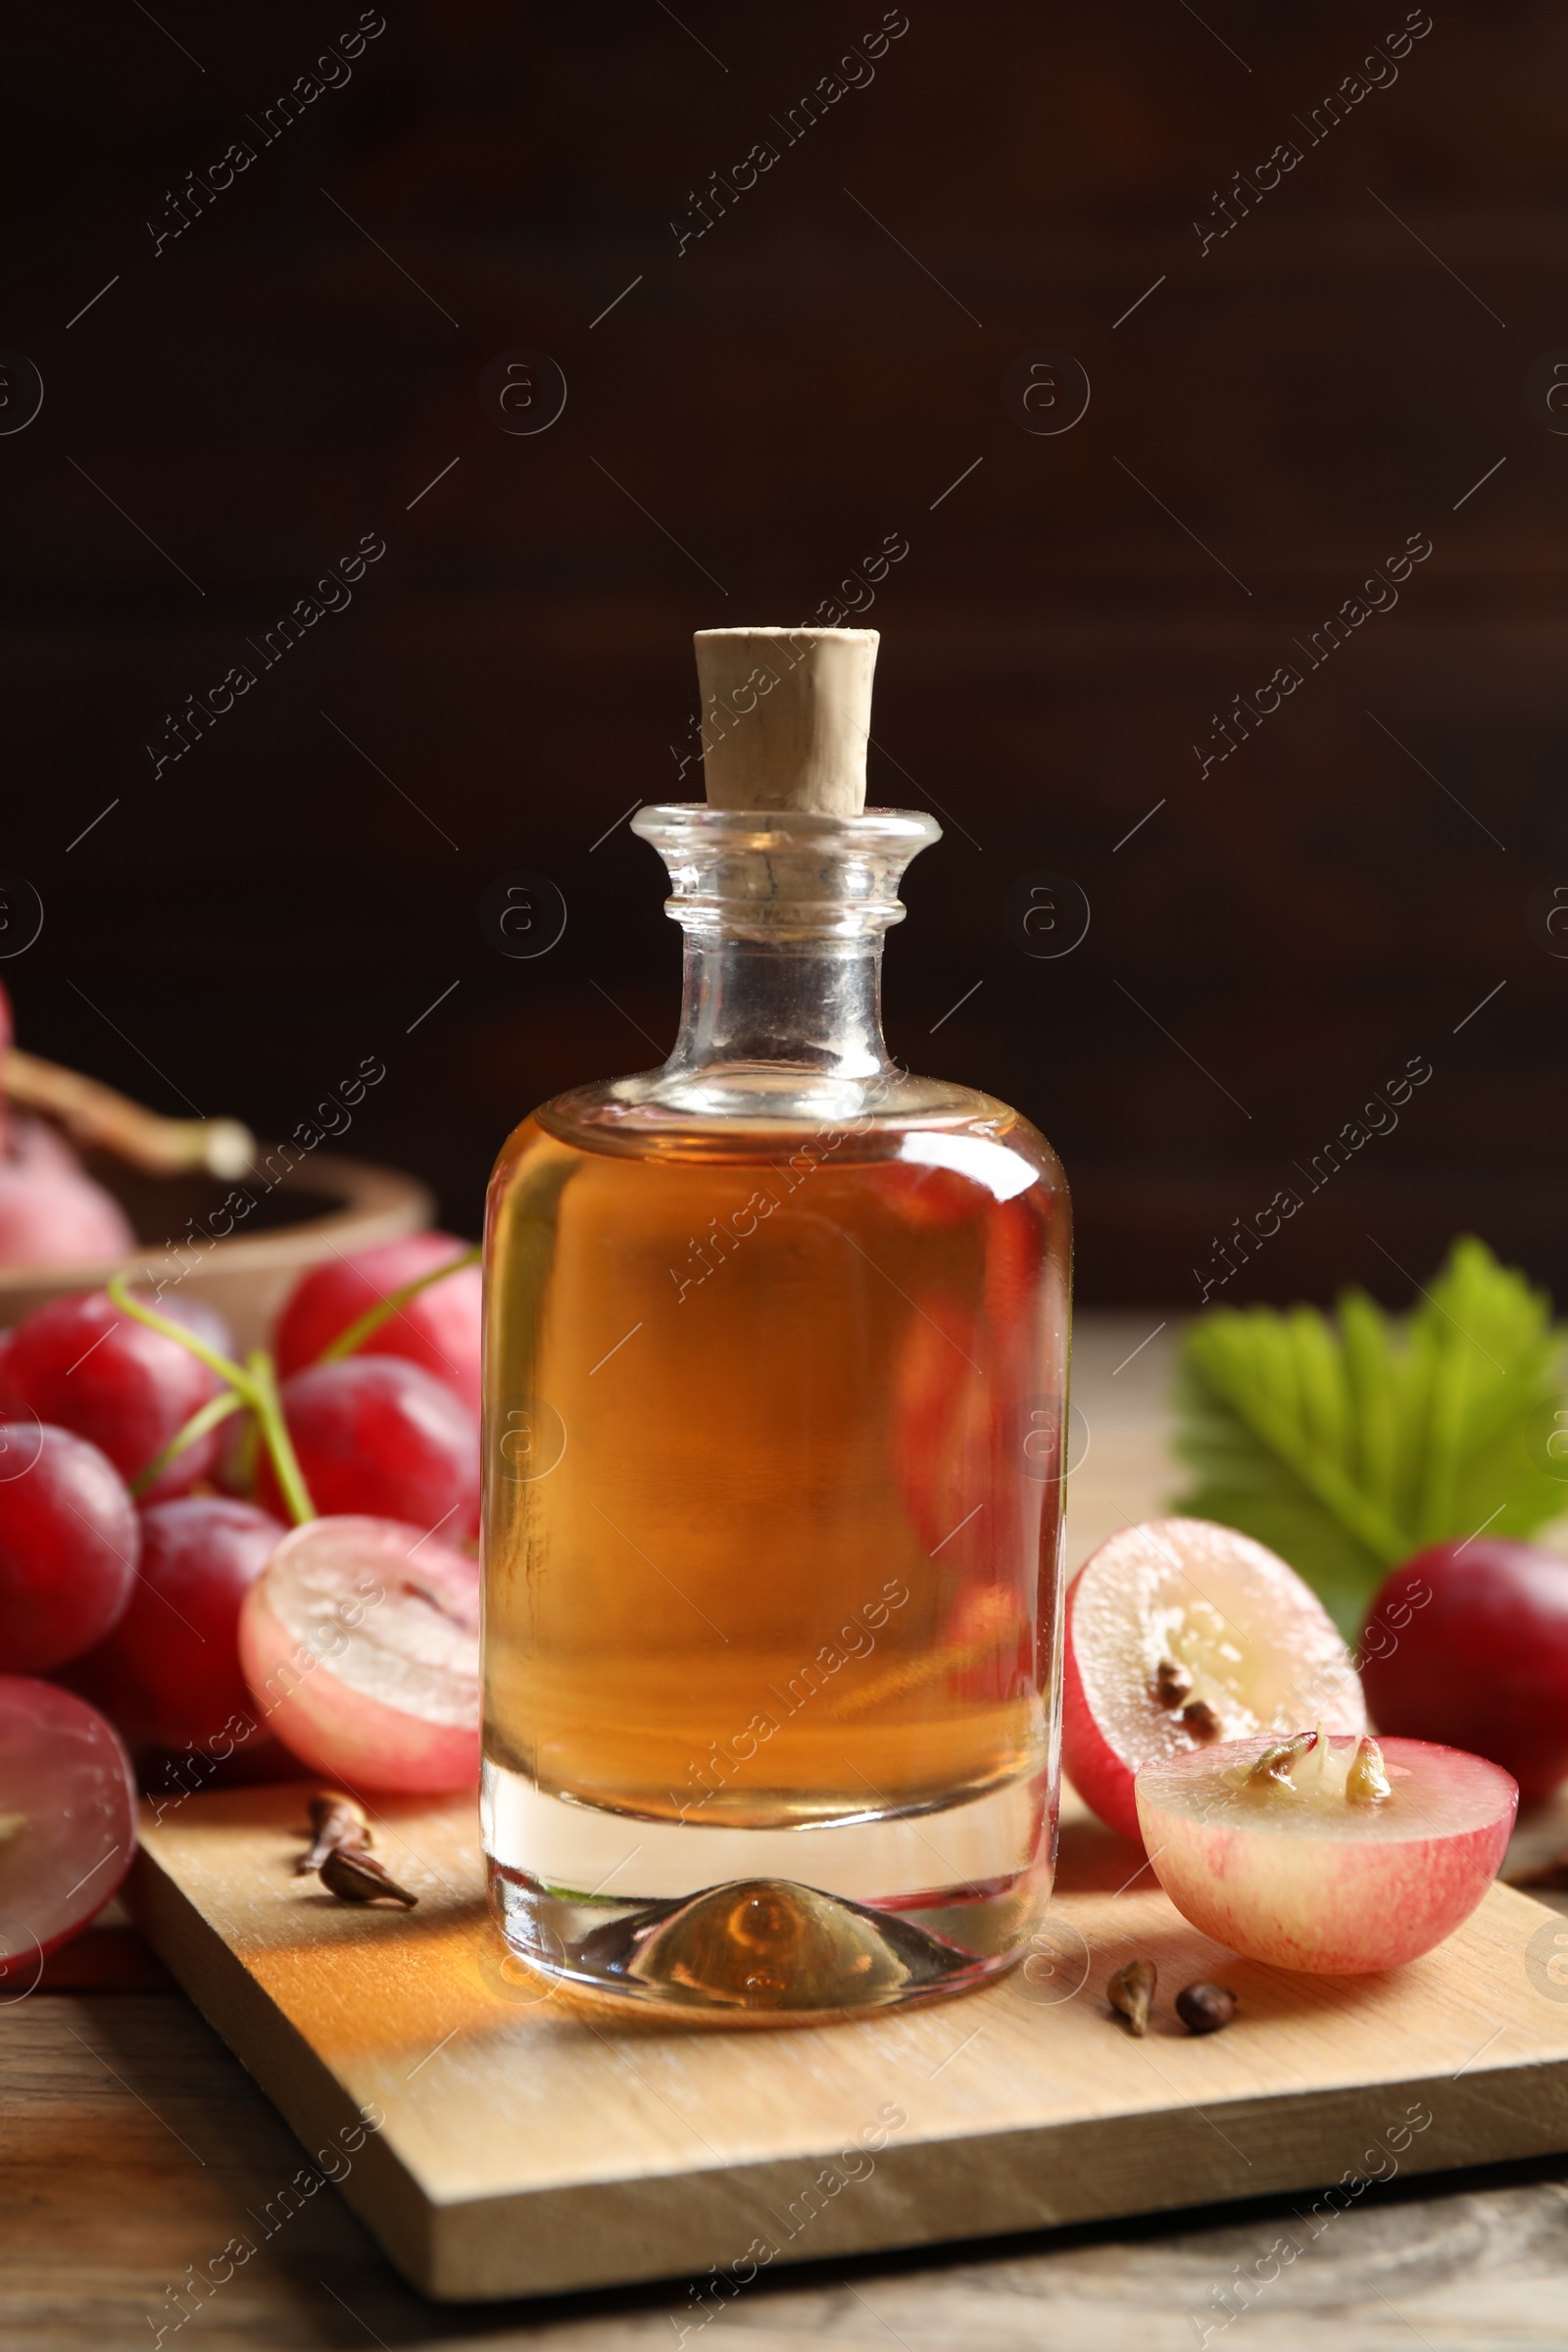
pixel 141 1501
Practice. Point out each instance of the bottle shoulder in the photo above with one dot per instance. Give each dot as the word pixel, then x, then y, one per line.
pixel 927 1121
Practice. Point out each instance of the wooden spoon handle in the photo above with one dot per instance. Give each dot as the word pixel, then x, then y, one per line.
pixel 97 1117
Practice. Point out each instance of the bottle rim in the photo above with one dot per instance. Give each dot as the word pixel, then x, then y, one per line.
pixel 694 821
pixel 770 873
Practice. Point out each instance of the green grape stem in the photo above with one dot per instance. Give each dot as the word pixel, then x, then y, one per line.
pixel 268 1407
pixel 253 1385
pixel 127 1305
pixel 370 1322
pixel 206 1416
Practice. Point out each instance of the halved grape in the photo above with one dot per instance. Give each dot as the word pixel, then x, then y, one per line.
pixel 361 1645
pixel 1181 1633
pixel 1335 1856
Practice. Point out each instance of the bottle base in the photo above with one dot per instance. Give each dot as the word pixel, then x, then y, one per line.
pixel 766 1925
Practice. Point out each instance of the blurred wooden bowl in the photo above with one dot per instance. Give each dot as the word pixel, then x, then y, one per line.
pixel 326 1207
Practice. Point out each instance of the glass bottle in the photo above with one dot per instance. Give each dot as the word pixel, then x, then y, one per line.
pixel 776 1371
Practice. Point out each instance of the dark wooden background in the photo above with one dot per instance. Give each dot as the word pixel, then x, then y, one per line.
pixel 752 418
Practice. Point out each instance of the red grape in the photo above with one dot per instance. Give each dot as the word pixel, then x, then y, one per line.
pixel 51 1219
pixel 37 1149
pixel 51 1212
pixel 438 1330
pixel 68 1828
pixel 1467 1645
pixel 68 1543
pixel 83 1365
pixel 202 1320
pixel 169 1670
pixel 377 1435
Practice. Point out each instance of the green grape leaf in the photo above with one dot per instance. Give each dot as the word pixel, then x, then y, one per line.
pixel 1348 1444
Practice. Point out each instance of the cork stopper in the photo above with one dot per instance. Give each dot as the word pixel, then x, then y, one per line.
pixel 785 716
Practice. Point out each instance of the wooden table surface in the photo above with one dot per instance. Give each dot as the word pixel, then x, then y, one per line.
pixel 133 2147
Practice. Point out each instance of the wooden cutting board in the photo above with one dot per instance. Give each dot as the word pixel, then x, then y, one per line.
pixel 501 2139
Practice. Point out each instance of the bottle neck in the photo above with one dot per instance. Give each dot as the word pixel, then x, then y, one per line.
pixel 784 912
pixel 809 1004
